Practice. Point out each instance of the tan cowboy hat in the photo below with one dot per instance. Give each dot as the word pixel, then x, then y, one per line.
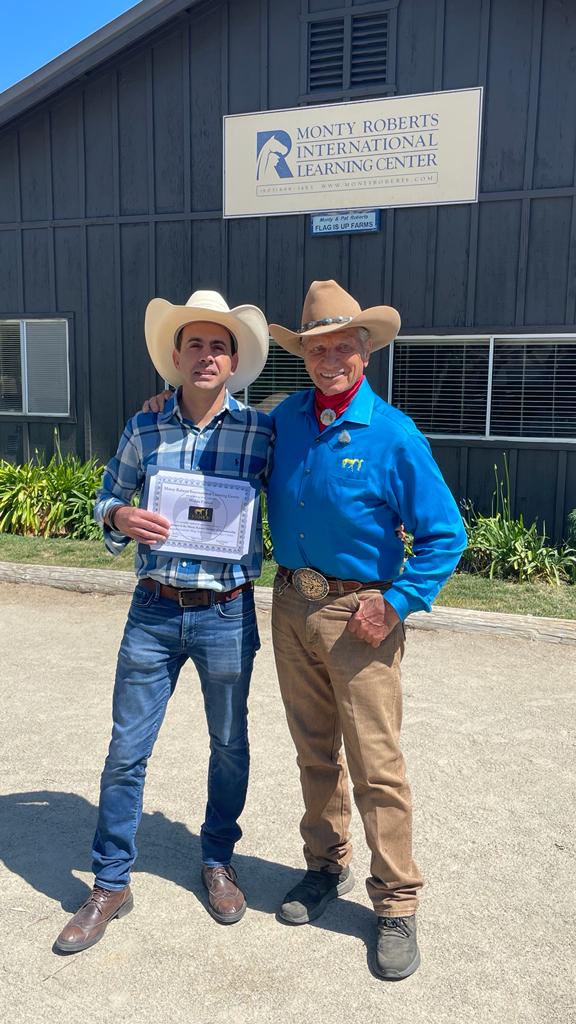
pixel 163 321
pixel 328 308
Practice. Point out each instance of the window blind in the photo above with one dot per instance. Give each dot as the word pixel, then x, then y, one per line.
pixel 443 387
pixel 47 367
pixel 10 368
pixel 493 388
pixel 34 367
pixel 282 375
pixel 533 389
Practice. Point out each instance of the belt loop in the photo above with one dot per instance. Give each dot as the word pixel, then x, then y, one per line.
pixel 341 590
pixel 157 589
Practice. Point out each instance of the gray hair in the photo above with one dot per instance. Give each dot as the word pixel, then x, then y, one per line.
pixel 365 339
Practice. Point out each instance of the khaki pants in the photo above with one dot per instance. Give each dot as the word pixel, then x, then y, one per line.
pixel 336 687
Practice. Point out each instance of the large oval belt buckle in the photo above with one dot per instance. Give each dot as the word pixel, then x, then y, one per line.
pixel 310 584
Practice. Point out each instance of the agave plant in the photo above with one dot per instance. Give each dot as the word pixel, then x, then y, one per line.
pixel 23 497
pixel 49 500
pixel 73 485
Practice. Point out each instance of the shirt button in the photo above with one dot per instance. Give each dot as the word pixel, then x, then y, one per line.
pixel 301 536
pixel 307 471
pixel 184 564
pixel 302 504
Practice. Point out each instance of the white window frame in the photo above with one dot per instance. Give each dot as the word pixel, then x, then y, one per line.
pixel 24 412
pixel 491 339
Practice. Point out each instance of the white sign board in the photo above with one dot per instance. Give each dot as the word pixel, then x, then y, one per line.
pixel 420 150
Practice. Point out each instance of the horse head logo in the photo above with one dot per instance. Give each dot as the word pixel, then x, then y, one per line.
pixel 272 148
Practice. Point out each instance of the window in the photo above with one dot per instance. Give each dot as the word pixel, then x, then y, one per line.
pixel 351 50
pixel 34 368
pixel 498 387
pixel 282 375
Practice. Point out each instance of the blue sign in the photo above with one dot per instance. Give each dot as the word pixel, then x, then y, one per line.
pixel 344 223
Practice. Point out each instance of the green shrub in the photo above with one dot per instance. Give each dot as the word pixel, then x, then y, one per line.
pixel 267 545
pixel 50 500
pixel 505 548
pixel 571 528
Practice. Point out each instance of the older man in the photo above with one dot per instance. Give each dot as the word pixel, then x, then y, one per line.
pixel 348 470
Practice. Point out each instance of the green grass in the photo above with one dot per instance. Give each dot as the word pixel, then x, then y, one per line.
pixel 467 591
pixel 85 554
pixel 462 591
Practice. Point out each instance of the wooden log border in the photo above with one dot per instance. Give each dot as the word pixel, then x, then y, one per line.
pixel 459 620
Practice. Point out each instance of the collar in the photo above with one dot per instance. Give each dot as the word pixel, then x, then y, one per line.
pixel 172 408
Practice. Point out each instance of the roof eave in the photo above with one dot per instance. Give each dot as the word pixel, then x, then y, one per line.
pixel 123 31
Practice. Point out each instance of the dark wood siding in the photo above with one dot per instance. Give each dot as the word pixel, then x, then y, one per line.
pixel 110 193
pixel 542 479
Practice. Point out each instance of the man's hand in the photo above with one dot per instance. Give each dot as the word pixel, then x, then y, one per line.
pixel 138 523
pixel 373 621
pixel 156 402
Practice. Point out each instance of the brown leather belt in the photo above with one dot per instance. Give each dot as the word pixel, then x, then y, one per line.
pixel 190 598
pixel 336 586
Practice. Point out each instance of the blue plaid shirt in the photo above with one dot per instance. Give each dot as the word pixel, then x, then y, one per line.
pixel 235 443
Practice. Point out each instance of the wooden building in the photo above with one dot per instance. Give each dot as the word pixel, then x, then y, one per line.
pixel 111 193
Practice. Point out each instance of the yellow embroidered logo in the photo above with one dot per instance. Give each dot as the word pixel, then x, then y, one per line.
pixel 352 464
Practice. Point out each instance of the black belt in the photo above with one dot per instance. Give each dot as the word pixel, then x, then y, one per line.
pixel 190 598
pixel 314 585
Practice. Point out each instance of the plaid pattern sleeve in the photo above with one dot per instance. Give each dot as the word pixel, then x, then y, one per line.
pixel 236 443
pixel 123 478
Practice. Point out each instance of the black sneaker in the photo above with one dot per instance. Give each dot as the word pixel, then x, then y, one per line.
pixel 308 899
pixel 397 953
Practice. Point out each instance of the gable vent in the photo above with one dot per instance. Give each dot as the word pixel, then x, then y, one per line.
pixel 326 55
pixel 369 51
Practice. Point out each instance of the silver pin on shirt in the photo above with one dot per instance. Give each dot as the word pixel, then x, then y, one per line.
pixel 327 416
pixel 344 437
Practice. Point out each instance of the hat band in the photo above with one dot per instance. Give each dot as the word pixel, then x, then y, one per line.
pixel 322 323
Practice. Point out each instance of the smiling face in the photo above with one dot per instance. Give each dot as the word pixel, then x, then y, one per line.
pixel 335 360
pixel 204 356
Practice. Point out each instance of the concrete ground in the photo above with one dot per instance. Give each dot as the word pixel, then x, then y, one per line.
pixel 489 740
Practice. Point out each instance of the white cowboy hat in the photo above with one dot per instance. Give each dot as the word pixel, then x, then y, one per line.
pixel 163 321
pixel 328 308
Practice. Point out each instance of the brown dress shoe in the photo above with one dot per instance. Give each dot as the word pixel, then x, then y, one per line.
pixel 89 923
pixel 226 900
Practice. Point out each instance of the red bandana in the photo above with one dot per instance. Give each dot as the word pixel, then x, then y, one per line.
pixel 338 403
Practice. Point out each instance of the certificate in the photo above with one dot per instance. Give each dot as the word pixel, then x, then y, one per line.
pixel 212 517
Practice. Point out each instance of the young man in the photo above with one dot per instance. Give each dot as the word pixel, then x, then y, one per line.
pixel 183 607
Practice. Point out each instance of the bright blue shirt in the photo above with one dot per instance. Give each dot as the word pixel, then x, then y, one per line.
pixel 236 443
pixel 336 497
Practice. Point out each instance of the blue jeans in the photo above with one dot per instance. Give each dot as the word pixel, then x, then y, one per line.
pixel 159 637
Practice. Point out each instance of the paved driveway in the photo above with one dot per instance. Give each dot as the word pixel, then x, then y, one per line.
pixel 489 738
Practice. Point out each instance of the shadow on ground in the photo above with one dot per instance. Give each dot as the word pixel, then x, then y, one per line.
pixel 48 836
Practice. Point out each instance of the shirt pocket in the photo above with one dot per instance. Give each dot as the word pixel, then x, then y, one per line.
pixel 346 464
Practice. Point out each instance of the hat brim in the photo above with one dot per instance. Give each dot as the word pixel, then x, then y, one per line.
pixel 247 323
pixel 381 322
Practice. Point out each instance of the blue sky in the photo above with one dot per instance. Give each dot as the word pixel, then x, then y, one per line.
pixel 36 31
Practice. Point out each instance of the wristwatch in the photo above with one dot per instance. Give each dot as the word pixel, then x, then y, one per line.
pixel 111 515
